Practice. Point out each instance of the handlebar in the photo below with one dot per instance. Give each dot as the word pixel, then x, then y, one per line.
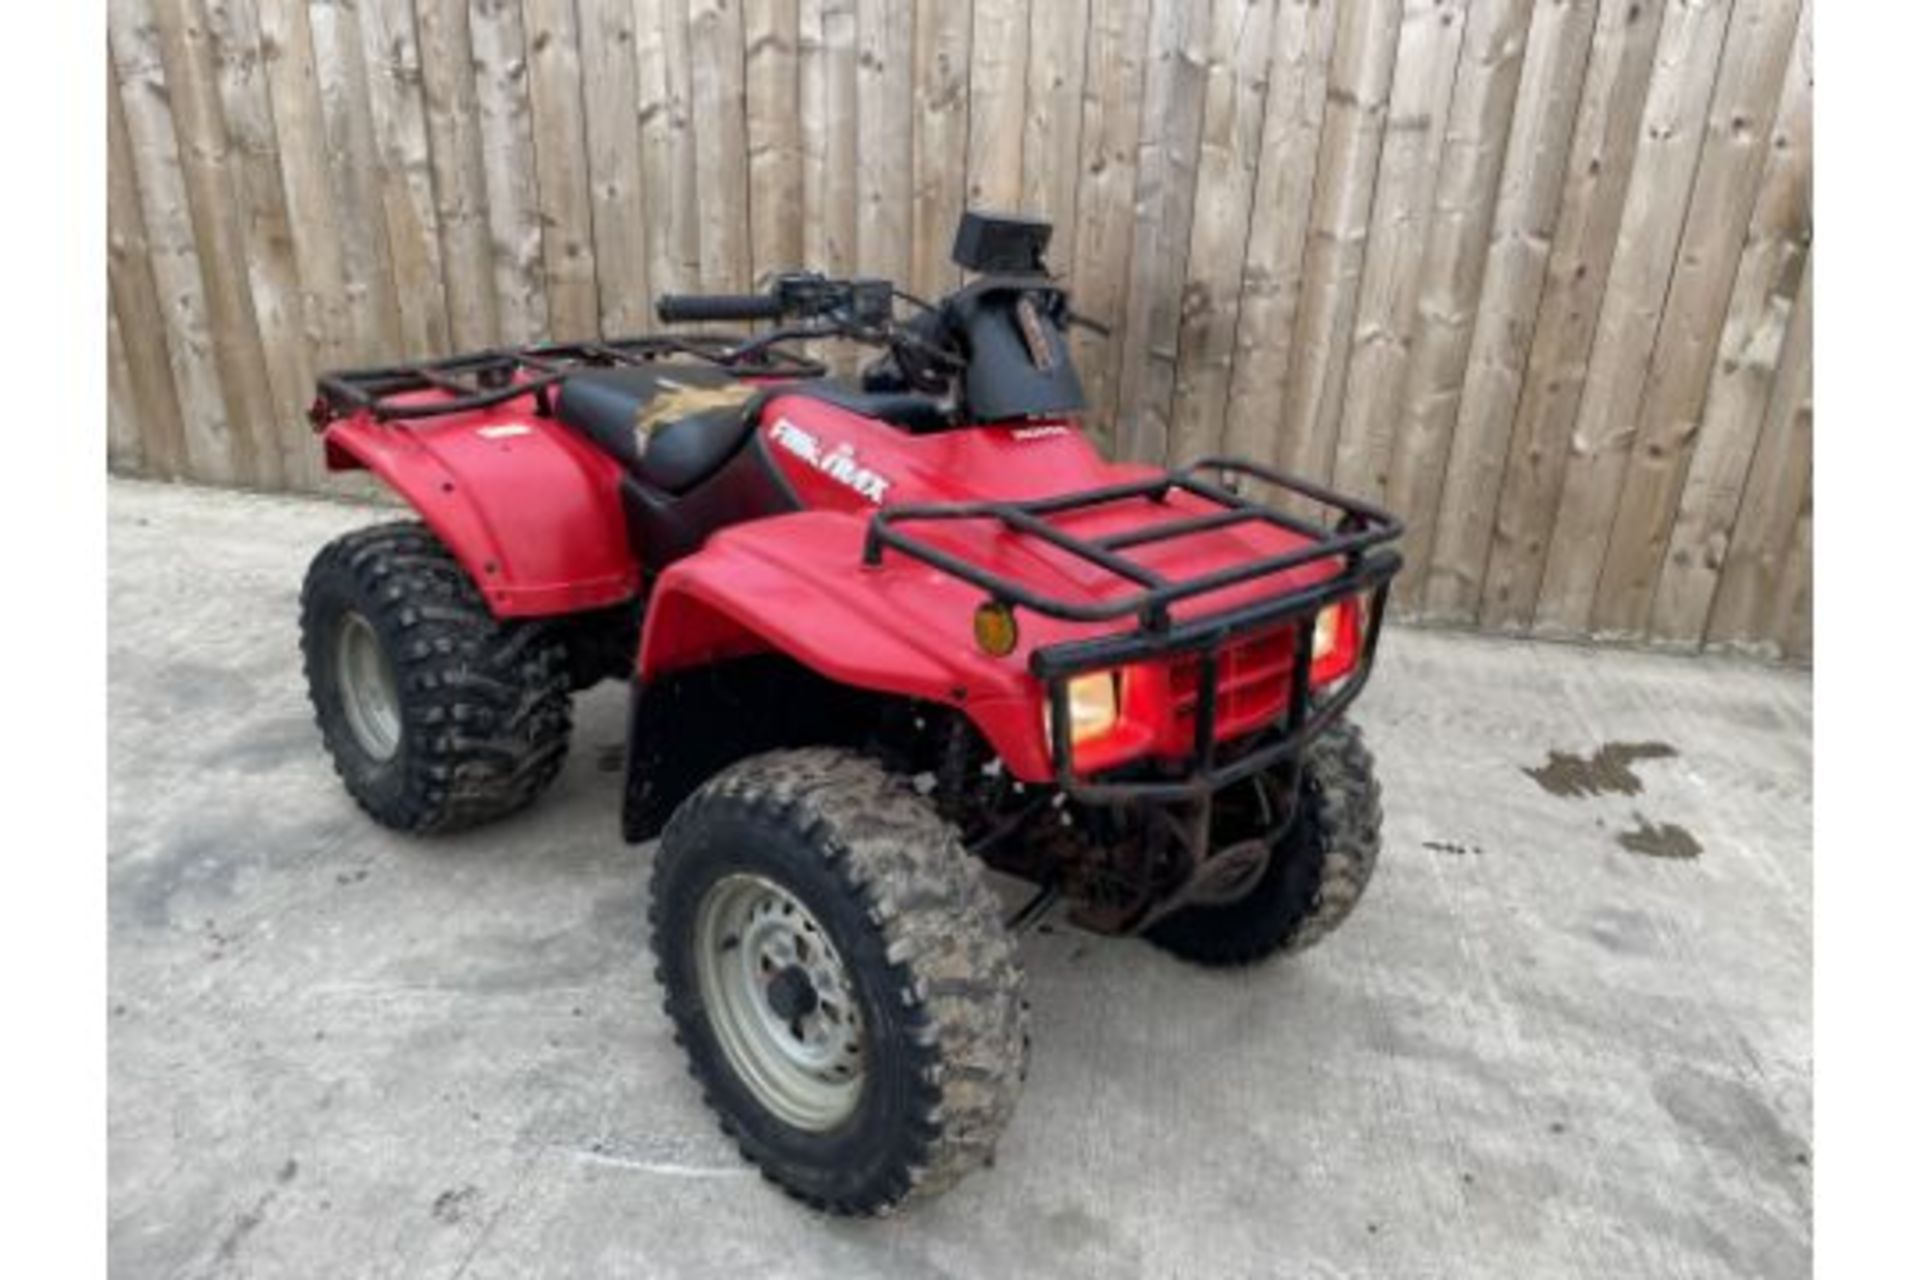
pixel 681 308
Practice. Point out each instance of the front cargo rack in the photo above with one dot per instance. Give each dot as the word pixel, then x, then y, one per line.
pixel 1354 539
pixel 483 379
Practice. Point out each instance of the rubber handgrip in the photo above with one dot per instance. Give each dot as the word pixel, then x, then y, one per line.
pixel 678 308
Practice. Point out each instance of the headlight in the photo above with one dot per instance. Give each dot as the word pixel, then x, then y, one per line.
pixel 1093 706
pixel 1337 636
pixel 1326 631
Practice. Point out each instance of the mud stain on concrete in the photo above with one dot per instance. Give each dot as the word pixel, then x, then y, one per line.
pixel 1665 840
pixel 1607 771
pixel 454 1204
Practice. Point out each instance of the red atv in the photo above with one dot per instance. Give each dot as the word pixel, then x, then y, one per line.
pixel 880 639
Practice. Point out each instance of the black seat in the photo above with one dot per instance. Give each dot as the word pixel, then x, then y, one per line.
pixel 671 425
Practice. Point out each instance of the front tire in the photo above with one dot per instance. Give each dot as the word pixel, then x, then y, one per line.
pixel 438 716
pixel 1316 871
pixel 837 970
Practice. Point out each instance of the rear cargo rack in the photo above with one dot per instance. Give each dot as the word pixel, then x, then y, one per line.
pixel 482 379
pixel 1354 539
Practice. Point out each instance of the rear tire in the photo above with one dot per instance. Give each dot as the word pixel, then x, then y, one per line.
pixel 1316 873
pixel 837 970
pixel 438 716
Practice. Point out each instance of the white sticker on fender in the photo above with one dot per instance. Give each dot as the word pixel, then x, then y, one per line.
pixel 839 463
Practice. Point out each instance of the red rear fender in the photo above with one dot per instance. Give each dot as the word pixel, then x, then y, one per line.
pixel 531 512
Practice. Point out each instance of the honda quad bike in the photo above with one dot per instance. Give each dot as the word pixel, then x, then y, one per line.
pixel 881 637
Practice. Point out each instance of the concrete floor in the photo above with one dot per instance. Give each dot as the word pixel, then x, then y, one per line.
pixel 1535 1051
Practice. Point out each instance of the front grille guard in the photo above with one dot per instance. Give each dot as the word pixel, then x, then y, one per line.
pixel 1355 539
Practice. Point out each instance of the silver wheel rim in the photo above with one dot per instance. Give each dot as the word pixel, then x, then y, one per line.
pixel 366 687
pixel 780 1002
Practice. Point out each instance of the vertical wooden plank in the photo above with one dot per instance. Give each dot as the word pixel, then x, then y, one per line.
pixel 1103 241
pixel 506 139
pixel 300 131
pixel 1791 627
pixel 1369 388
pixel 718 44
pixel 829 35
pixel 666 145
pixel 1732 160
pixel 1269 301
pixel 883 89
pixel 1359 82
pixel 123 406
pixel 201 130
pixel 1050 147
pixel 942 48
pixel 459 177
pixel 1672 129
pixel 1778 488
pixel 273 271
pixel 773 137
pixel 608 87
pixel 1452 274
pixel 1538 143
pixel 156 167
pixel 997 105
pixel 1171 109
pixel 398 116
pixel 560 163
pixel 1239 54
pixel 1772 266
pixel 353 168
pixel 136 304
pixel 1584 238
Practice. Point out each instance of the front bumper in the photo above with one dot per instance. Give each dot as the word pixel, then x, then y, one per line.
pixel 1214 765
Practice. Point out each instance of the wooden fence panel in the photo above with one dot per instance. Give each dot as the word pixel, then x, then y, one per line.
pixel 1172 104
pixel 717 47
pixel 1747 603
pixel 459 174
pixel 1527 208
pixel 1451 274
pixel 1694 311
pixel 1403 187
pixel 1103 242
pixel 1271 276
pixel 1359 83
pixel 1772 268
pixel 1238 55
pixel 506 143
pixel 136 310
pixel 1591 203
pixel 154 158
pixel 609 85
pixel 406 171
pixel 273 270
pixel 773 137
pixel 563 198
pixel 883 88
pixel 942 64
pixel 1481 259
pixel 1672 130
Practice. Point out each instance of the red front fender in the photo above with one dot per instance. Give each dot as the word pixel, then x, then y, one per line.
pixel 532 514
pixel 795 585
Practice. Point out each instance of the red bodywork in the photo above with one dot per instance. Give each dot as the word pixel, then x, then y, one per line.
pixel 795 583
